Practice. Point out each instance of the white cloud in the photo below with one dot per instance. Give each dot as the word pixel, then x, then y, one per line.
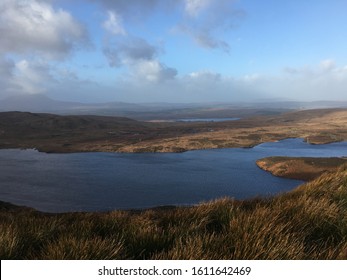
pixel 146 85
pixel 208 86
pixel 193 7
pixel 205 19
pixel 35 27
pixel 326 69
pixel 203 37
pixel 323 81
pixel 24 77
pixel 32 77
pixel 153 71
pixel 327 64
pixel 114 24
pixel 128 50
pixel 205 76
pixel 140 58
pixel 37 76
pixel 251 78
pixel 34 37
pixel 133 9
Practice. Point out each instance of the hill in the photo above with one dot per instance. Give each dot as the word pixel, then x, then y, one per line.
pixel 35 103
pixel 39 103
pixel 56 133
pixel 49 132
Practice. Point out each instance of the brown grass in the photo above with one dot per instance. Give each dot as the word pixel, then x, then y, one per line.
pixel 302 168
pixel 53 133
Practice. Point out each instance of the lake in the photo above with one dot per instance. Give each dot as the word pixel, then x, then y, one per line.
pixel 107 181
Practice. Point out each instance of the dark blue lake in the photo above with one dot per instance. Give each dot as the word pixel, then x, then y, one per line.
pixel 106 181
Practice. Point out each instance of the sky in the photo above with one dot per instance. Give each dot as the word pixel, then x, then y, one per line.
pixel 174 50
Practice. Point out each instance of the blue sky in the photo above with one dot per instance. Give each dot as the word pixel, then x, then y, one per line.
pixel 174 50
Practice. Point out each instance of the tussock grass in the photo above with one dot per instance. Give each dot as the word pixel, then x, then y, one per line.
pixel 309 222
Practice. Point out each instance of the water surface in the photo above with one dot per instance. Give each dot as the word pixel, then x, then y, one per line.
pixel 106 181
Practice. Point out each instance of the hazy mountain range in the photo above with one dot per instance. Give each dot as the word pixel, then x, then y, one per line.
pixel 43 104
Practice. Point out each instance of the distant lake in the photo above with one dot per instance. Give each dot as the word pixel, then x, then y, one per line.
pixel 107 181
pixel 207 120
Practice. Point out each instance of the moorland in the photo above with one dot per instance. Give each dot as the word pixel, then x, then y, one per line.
pixel 309 222
pixel 61 134
pixel 300 168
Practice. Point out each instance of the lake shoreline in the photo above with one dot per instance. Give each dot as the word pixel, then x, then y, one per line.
pixel 174 151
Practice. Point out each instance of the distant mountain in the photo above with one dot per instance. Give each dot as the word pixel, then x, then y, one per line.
pixel 158 111
pixel 35 103
pixel 300 104
pixel 42 104
pixel 38 103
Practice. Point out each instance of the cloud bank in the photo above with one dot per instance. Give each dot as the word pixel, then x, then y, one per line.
pixel 40 42
pixel 34 27
pixel 204 19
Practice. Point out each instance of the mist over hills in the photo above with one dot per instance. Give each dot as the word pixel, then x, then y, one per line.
pixel 39 103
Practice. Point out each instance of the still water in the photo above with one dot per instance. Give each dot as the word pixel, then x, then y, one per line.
pixel 106 181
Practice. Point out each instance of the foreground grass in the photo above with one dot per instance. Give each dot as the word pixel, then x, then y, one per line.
pixel 307 223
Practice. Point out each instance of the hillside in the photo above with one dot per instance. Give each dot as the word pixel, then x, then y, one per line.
pixel 306 223
pixel 55 133
pixel 49 132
